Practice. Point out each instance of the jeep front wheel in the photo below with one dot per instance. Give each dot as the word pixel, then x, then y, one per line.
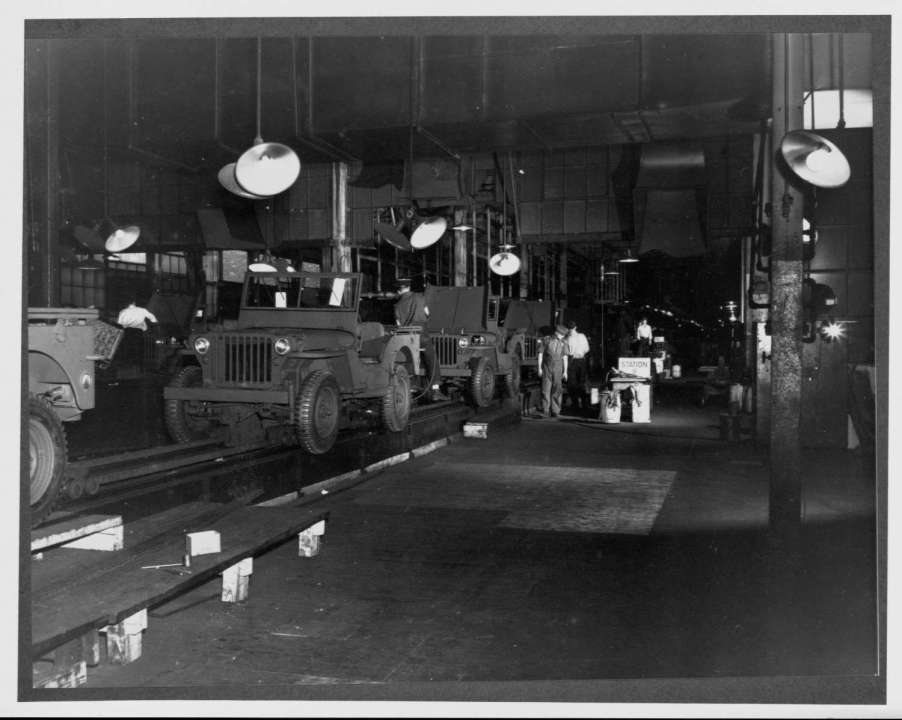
pixel 185 419
pixel 46 455
pixel 482 382
pixel 316 412
pixel 396 401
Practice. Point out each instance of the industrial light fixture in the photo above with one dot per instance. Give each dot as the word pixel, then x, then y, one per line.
pixel 815 159
pixel 463 227
pixel 122 238
pixel 504 262
pixel 393 233
pixel 266 168
pixel 427 232
pixel 268 263
pixel 831 330
pixel 629 257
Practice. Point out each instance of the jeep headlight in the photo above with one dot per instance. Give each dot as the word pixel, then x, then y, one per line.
pixel 463 342
pixel 201 345
pixel 282 346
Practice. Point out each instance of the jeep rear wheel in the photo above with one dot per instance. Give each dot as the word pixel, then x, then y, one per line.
pixel 512 378
pixel 185 419
pixel 482 382
pixel 396 401
pixel 317 411
pixel 46 455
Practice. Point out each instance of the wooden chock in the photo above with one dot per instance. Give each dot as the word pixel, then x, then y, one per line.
pixel 124 639
pixel 236 581
pixel 309 540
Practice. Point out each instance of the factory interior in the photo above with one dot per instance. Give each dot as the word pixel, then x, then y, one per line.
pixel 455 359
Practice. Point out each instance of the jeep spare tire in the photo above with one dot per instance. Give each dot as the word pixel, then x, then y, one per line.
pixel 512 378
pixel 46 455
pixel 185 419
pixel 396 401
pixel 317 412
pixel 482 382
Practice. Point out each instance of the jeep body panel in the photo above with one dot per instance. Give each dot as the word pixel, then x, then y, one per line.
pixel 61 357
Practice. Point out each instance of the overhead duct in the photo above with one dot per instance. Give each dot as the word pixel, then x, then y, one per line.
pixel 670 200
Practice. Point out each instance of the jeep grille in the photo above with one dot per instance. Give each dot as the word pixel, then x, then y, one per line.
pixel 446 349
pixel 242 360
pixel 530 348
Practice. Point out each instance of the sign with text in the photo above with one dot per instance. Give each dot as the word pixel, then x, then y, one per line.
pixel 640 366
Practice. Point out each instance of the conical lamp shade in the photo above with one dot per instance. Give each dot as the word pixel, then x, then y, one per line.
pixel 504 263
pixel 227 180
pixel 267 169
pixel 815 159
pixel 122 238
pixel 393 236
pixel 89 237
pixel 629 258
pixel 428 232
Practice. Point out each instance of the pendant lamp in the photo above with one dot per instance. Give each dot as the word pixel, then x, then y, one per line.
pixel 629 257
pixel 504 262
pixel 266 168
pixel 428 232
pixel 815 159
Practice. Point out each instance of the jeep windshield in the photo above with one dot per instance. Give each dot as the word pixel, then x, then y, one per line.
pixel 306 291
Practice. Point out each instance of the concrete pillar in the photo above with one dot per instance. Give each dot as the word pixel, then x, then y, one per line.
pixel 341 251
pixel 786 300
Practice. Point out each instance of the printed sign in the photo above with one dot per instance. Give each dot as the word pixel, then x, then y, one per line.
pixel 640 366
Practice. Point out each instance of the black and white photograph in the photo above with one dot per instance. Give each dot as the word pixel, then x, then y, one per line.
pixel 449 361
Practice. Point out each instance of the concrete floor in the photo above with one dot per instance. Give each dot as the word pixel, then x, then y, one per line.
pixel 554 551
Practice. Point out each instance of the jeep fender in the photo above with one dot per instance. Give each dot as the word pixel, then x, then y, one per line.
pixel 402 345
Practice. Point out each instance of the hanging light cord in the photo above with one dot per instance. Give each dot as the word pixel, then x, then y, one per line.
pixel 842 113
pixel 259 139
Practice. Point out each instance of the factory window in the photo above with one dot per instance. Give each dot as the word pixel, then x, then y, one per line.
pixel 81 287
pixel 822 111
pixel 172 272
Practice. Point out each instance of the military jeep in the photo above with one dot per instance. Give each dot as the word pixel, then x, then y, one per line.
pixel 297 364
pixel 472 352
pixel 64 347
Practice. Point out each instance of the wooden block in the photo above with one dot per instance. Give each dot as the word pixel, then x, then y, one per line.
pixel 66 531
pixel 66 666
pixel 476 430
pixel 202 543
pixel 309 540
pixel 107 540
pixel 236 581
pixel 124 639
pixel 70 677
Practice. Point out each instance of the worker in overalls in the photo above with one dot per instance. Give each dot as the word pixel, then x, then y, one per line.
pixel 411 310
pixel 552 367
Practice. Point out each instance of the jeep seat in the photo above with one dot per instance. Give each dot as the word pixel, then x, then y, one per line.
pixel 372 339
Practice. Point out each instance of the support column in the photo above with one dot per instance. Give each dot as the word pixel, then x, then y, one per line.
pixel 562 273
pixel 341 251
pixel 460 250
pixel 786 301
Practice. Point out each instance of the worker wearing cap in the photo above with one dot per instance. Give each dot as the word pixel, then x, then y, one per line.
pixel 577 349
pixel 411 311
pixel 552 368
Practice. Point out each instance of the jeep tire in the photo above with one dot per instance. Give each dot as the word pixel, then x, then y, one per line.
pixel 47 457
pixel 180 416
pixel 396 401
pixel 512 377
pixel 482 382
pixel 317 411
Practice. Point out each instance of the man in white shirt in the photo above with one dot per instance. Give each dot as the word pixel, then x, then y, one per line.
pixel 577 375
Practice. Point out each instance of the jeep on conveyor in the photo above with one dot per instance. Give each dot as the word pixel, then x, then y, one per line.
pixel 298 362
pixel 64 346
pixel 472 352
